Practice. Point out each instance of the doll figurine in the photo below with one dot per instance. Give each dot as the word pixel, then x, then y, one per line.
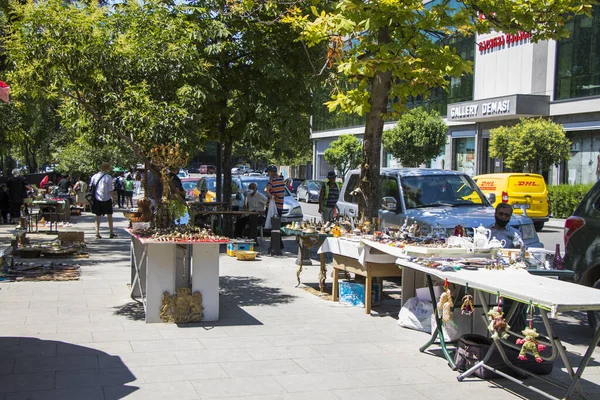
pixel 530 344
pixel 498 325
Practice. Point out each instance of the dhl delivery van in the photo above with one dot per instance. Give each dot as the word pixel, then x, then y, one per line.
pixel 526 193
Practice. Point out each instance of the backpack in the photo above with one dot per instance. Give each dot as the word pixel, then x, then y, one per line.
pixel 118 183
pixel 90 196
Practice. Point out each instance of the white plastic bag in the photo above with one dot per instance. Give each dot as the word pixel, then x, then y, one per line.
pixel 459 325
pixel 416 314
pixel 271 212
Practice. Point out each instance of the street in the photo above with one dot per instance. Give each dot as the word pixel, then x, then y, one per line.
pixel 549 236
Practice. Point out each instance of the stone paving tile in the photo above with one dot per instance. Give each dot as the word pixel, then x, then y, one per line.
pixel 349 349
pixel 381 393
pixel 261 368
pixel 234 343
pixel 230 387
pixel 464 390
pixel 147 346
pixel 255 330
pixel 60 363
pixel 393 377
pixel 25 330
pixel 322 395
pixel 6 365
pixel 94 378
pixel 66 394
pixel 69 319
pixel 197 332
pixel 66 349
pixel 282 353
pixel 120 336
pixel 212 356
pixel 136 359
pixel 318 381
pixel 396 360
pixel 180 372
pixel 22 382
pixel 89 327
pixel 28 349
pixel 14 305
pixel 335 364
pixel 68 337
pixel 182 390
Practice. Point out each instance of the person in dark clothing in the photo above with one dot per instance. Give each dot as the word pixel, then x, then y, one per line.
pixel 120 189
pixel 175 185
pixel 4 203
pixel 17 188
pixel 64 185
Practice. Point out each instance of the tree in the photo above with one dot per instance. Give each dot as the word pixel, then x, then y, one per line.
pixel 131 73
pixel 532 145
pixel 383 53
pixel 344 154
pixel 418 137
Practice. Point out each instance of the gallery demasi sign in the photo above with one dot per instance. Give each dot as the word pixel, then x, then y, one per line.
pixel 484 109
pixel 506 107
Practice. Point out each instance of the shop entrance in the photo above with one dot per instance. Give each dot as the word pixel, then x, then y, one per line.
pixel 463 155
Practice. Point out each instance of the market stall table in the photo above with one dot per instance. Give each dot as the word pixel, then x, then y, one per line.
pixel 306 241
pixel 157 268
pixel 352 255
pixel 52 211
pixel 549 296
pixel 214 213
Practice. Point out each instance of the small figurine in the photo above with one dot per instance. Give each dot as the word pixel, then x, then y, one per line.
pixel 467 307
pixel 415 229
pixel 530 344
pixel 497 324
pixel 445 304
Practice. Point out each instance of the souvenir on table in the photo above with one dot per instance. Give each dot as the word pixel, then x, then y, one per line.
pixel 498 325
pixel 481 237
pixel 459 230
pixel 467 307
pixel 529 343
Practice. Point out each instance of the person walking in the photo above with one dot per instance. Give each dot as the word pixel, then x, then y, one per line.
pixel 80 189
pixel 128 190
pixel 275 188
pixel 4 202
pixel 119 180
pixel 102 204
pixel 17 188
pixel 137 184
pixel 328 197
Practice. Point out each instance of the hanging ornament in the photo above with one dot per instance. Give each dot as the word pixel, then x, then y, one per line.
pixel 467 307
pixel 529 343
pixel 498 325
pixel 445 303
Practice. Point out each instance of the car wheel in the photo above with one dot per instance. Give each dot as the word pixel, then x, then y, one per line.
pixel 594 316
pixel 538 226
pixel 307 198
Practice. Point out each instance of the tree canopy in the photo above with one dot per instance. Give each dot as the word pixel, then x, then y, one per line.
pixel 344 154
pixel 532 145
pixel 382 53
pixel 418 137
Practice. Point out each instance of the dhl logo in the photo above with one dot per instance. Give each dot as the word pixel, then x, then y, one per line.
pixel 527 183
pixel 487 185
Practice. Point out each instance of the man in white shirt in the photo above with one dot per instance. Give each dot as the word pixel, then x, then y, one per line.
pixel 254 202
pixel 501 230
pixel 103 204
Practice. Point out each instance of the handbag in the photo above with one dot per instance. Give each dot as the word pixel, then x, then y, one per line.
pixel 271 212
pixel 90 196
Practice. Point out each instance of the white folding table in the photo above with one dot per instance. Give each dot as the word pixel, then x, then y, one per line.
pixel 549 296
pixel 158 267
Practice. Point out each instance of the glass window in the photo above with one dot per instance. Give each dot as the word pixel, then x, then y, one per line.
pixel 578 59
pixel 440 190
pixel 352 184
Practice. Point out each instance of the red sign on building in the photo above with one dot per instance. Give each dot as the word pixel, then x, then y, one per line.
pixel 499 41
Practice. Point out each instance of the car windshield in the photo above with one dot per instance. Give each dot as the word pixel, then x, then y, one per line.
pixel 441 190
pixel 211 185
pixel 315 185
pixel 188 185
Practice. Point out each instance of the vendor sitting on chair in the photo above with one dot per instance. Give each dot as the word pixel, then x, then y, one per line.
pixel 254 202
pixel 502 231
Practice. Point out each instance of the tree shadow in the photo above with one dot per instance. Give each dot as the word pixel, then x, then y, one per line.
pixel 51 370
pixel 133 311
pixel 248 291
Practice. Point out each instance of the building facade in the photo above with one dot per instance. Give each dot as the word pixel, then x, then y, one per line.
pixel 513 78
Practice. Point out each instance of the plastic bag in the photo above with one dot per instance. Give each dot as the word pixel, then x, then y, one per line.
pixel 271 212
pixel 416 314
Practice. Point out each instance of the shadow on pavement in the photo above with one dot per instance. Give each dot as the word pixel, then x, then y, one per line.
pixel 33 369
pixel 248 291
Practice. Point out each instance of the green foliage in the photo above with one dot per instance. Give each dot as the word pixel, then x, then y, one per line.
pixel 130 73
pixel 564 199
pixel 532 145
pixel 344 153
pixel 418 137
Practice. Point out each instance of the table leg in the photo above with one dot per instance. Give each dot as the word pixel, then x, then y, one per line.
pixel 334 288
pixel 205 278
pixel 301 255
pixel 368 290
pixel 322 272
pixel 160 278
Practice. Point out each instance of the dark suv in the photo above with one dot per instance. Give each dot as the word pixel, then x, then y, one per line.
pixel 582 242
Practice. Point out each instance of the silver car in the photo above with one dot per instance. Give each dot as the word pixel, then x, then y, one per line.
pixel 435 199
pixel 292 211
pixel 309 191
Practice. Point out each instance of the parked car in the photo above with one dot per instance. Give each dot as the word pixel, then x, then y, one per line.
pixel 309 191
pixel 582 243
pixel 188 185
pixel 292 211
pixel 206 189
pixel 207 169
pixel 194 169
pixel 434 199
pixel 521 191
pixel 183 174
pixel 293 183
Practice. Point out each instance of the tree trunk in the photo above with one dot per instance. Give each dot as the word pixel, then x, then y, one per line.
pixel 227 158
pixel 370 168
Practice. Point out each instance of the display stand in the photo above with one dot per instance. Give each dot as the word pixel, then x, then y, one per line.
pixel 305 242
pixel 159 267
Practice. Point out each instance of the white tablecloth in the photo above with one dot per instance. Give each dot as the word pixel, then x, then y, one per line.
pixel 357 250
pixel 550 294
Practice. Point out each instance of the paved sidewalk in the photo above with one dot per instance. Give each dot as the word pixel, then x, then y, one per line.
pixel 87 340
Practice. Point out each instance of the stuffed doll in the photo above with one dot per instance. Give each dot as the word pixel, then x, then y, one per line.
pixel 497 324
pixel 445 305
pixel 530 344
pixel 467 307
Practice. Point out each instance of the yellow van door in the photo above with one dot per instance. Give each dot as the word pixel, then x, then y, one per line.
pixel 528 191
